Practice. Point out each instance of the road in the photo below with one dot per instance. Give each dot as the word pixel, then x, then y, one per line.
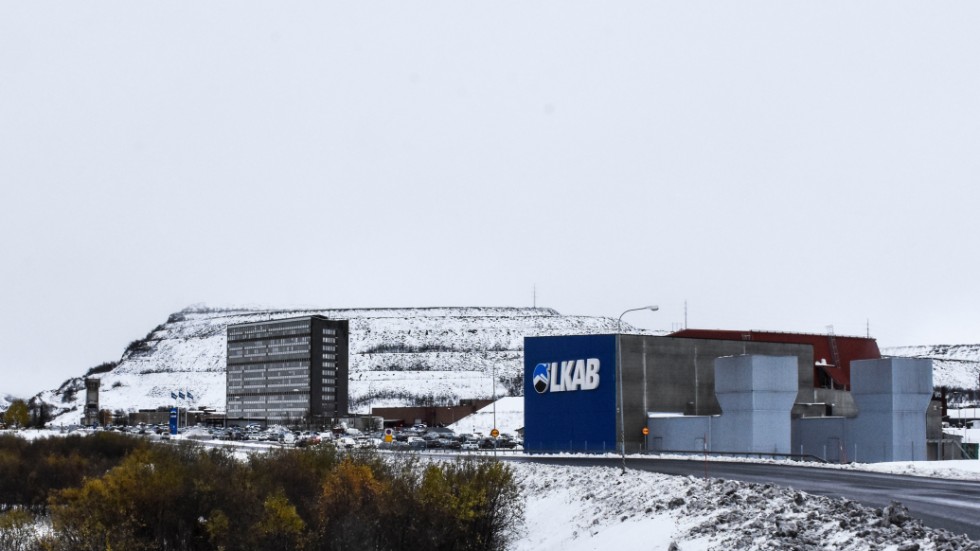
pixel 939 503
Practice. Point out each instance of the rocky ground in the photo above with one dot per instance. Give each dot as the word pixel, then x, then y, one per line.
pixel 572 509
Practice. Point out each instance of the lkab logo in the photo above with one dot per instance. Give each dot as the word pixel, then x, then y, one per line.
pixel 566 376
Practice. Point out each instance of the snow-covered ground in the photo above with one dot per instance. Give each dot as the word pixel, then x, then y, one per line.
pixel 598 508
pixel 509 416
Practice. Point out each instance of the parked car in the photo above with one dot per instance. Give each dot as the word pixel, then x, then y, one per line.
pixel 470 446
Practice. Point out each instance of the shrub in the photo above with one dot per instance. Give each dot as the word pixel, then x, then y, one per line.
pixel 17 531
pixel 183 497
pixel 138 346
pixel 103 367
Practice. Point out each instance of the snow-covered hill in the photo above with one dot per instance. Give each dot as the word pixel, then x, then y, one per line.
pixel 399 356
pixel 955 366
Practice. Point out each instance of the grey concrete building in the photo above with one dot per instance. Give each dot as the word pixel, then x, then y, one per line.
pixel 677 375
pixel 756 395
pixel 892 397
pixel 597 393
pixel 288 370
pixel 642 373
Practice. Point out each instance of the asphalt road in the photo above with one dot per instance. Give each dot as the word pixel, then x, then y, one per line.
pixel 939 503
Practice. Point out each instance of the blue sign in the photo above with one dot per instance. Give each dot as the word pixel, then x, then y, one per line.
pixel 570 393
pixel 173 420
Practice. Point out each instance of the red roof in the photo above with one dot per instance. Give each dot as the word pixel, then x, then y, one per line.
pixel 832 354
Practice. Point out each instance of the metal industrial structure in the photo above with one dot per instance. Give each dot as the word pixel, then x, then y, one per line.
pixel 90 415
pixel 288 370
pixel 832 354
pixel 576 401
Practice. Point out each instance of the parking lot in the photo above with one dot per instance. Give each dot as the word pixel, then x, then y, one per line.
pixel 417 438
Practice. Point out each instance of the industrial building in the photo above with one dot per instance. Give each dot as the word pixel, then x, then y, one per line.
pixel 90 415
pixel 287 370
pixel 575 399
pixel 432 416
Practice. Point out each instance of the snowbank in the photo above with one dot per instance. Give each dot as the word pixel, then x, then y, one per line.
pixel 586 508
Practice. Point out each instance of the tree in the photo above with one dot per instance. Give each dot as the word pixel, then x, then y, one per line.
pixel 18 415
pixel 281 526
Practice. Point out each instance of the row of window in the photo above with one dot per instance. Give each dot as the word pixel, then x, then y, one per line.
pixel 290 385
pixel 278 372
pixel 270 351
pixel 291 382
pixel 254 371
pixel 262 413
pixel 267 342
pixel 260 368
pixel 274 325
pixel 269 330
pixel 275 328
pixel 261 399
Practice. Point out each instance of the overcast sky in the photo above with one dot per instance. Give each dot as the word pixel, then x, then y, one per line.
pixel 778 165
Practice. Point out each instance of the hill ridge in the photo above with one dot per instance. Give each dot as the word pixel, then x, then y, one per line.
pixel 427 355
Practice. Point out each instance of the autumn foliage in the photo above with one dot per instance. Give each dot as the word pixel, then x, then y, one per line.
pixel 182 497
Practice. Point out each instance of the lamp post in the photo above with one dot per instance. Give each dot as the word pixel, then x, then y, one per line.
pixel 619 377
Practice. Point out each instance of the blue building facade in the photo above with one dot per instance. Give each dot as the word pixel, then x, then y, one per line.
pixel 570 393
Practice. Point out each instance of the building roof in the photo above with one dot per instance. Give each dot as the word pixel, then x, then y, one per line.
pixel 832 354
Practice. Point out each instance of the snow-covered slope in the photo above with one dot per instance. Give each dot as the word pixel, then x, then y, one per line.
pixel 506 414
pixel 584 508
pixel 955 366
pixel 399 356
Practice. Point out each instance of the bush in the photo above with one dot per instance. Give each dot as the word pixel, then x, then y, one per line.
pixel 31 471
pixel 104 367
pixel 186 498
pixel 17 531
pixel 138 346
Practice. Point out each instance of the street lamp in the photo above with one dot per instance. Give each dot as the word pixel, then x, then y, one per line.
pixel 619 377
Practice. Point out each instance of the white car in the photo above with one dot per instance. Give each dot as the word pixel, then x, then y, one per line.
pixel 470 446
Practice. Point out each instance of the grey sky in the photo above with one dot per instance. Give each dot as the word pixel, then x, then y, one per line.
pixel 779 165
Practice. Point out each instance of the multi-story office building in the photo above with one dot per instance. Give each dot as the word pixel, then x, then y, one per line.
pixel 288 370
